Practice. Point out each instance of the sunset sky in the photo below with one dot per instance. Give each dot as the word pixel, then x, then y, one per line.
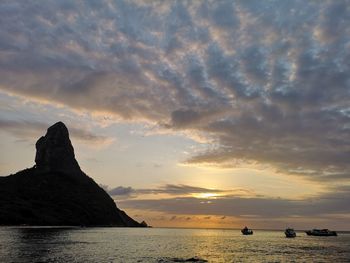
pixel 190 113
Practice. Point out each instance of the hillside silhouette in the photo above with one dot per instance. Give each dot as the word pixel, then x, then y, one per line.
pixel 56 191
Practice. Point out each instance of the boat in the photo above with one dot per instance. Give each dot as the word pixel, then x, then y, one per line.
pixel 289 232
pixel 321 232
pixel 247 231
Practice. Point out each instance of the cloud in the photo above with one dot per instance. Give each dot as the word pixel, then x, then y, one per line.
pixel 121 191
pixel 28 129
pixel 268 81
pixel 329 204
pixel 179 189
pixel 175 190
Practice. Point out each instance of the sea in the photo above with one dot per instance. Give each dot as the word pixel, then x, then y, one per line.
pixel 57 244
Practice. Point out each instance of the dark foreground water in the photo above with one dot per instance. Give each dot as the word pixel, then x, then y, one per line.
pixel 166 245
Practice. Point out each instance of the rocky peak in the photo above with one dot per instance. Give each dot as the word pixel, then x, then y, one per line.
pixel 54 151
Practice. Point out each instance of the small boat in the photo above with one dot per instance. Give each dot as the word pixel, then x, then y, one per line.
pixel 289 232
pixel 321 232
pixel 247 231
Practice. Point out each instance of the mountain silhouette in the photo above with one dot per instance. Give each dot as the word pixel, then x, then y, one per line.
pixel 56 191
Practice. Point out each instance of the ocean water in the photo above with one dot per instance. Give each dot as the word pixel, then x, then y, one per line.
pixel 166 245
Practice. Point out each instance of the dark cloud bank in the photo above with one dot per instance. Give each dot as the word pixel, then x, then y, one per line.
pixel 170 189
pixel 237 205
pixel 267 80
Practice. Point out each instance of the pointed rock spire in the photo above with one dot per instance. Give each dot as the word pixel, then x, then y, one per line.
pixel 54 151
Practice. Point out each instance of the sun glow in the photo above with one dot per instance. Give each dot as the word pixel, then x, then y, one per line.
pixel 206 195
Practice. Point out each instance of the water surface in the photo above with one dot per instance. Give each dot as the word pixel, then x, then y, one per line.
pixel 166 245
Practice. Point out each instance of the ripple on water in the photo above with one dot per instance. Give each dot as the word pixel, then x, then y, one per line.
pixel 193 259
pixel 130 245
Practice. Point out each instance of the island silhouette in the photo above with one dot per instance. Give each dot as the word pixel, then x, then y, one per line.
pixel 56 192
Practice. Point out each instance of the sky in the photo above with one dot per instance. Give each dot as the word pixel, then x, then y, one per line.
pixel 189 113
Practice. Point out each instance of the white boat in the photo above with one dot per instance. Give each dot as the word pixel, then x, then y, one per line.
pixel 321 232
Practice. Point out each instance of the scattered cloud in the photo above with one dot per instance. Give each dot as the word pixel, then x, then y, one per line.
pixel 331 204
pixel 267 82
pixel 177 190
pixel 27 130
pixel 188 203
pixel 121 191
